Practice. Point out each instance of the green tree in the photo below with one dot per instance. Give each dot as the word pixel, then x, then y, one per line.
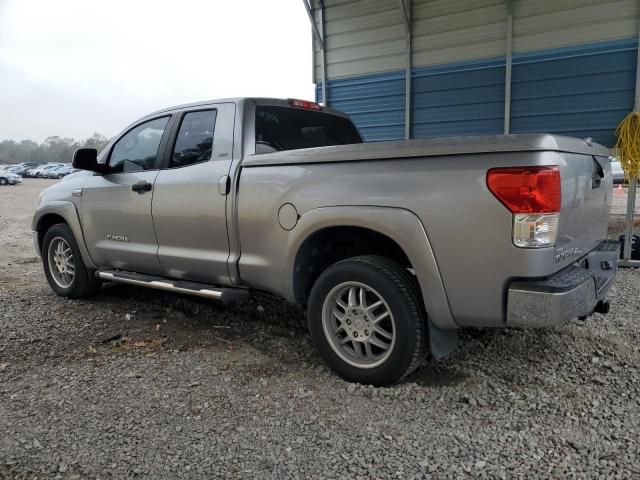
pixel 53 149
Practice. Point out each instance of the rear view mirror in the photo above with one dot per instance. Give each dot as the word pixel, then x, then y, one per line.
pixel 86 159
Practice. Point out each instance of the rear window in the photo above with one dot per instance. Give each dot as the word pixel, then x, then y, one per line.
pixel 285 128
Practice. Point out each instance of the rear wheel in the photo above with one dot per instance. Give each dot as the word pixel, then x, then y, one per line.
pixel 3 181
pixel 64 268
pixel 366 320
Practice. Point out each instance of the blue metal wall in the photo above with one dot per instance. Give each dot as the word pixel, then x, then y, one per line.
pixel 374 102
pixel 580 91
pixel 460 99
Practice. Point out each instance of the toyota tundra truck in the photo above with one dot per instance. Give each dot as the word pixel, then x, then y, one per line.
pixel 391 246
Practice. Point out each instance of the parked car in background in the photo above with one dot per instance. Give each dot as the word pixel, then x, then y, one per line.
pixel 60 172
pixel 30 168
pixel 41 172
pixel 51 172
pixel 16 169
pixel 32 172
pixel 24 167
pixel 9 178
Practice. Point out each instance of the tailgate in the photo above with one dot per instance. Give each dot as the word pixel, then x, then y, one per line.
pixel 586 203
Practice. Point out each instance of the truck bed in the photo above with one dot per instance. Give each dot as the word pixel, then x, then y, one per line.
pixel 442 182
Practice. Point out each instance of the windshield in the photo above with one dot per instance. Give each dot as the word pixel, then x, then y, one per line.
pixel 286 128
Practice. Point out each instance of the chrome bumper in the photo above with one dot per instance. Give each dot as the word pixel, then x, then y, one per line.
pixel 573 292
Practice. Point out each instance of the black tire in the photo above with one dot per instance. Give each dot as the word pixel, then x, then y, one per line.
pixel 399 289
pixel 84 281
pixel 3 181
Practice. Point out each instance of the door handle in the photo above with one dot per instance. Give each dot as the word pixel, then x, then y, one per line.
pixel 224 185
pixel 141 187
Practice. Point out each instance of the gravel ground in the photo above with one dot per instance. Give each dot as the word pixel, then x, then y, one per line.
pixel 137 383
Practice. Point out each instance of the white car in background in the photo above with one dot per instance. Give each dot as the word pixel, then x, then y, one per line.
pixel 9 178
pixel 41 172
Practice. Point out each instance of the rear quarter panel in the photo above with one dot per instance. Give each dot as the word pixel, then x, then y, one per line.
pixel 469 230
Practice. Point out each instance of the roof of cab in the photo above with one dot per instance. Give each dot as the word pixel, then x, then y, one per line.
pixel 284 102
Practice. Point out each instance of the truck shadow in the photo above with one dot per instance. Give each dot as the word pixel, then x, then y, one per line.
pixel 278 330
pixel 261 322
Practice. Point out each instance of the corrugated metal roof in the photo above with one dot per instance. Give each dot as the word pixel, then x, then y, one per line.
pixel 451 31
pixel 362 36
pixel 573 72
pixel 575 23
pixel 367 36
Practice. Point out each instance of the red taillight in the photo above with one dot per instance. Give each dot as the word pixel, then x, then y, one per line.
pixel 526 189
pixel 304 104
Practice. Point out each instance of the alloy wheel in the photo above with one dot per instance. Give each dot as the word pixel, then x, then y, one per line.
pixel 358 324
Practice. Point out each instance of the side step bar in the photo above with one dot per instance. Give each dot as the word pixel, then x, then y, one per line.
pixel 224 294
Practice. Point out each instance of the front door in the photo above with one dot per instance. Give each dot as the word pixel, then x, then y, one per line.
pixel 116 206
pixel 189 201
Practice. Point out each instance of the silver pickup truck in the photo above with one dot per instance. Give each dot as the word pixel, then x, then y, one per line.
pixel 392 246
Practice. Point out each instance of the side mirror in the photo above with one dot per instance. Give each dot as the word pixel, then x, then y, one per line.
pixel 86 159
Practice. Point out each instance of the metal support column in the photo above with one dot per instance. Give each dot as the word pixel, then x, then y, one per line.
pixel 405 10
pixel 318 35
pixel 507 77
pixel 325 92
pixel 633 182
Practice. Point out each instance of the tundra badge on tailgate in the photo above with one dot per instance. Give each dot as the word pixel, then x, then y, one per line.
pixel 562 253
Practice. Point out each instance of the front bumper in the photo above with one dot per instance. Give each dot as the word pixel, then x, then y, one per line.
pixel 572 292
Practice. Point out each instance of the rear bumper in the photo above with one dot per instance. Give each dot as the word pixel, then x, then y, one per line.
pixel 572 292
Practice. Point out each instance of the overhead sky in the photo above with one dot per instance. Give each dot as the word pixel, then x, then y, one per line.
pixel 74 67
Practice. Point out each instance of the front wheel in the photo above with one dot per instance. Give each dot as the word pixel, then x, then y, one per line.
pixel 63 265
pixel 366 320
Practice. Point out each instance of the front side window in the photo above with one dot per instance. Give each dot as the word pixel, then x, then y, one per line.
pixel 137 150
pixel 194 143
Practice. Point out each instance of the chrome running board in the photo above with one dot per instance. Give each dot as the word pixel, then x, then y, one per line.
pixel 225 294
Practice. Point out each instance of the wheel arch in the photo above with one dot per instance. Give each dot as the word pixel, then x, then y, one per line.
pixel 397 230
pixel 330 244
pixel 59 212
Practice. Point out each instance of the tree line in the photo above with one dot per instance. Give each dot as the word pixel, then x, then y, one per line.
pixel 53 149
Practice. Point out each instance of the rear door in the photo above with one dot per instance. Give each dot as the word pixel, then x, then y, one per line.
pixel 116 206
pixel 190 196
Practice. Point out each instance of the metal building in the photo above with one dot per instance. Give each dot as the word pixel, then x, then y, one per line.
pixel 423 68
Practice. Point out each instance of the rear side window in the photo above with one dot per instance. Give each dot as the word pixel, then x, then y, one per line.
pixel 194 143
pixel 286 128
pixel 137 149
